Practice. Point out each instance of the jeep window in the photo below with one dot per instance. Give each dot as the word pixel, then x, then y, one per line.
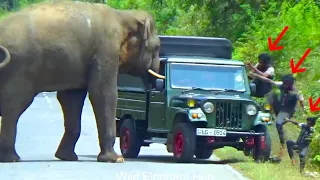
pixel 215 77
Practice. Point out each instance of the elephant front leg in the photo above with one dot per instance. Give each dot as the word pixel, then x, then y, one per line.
pixel 71 102
pixel 103 96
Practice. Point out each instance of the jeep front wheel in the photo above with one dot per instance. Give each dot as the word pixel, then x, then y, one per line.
pixel 129 141
pixel 262 149
pixel 184 142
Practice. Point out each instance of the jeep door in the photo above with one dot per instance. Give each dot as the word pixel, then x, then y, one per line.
pixel 157 104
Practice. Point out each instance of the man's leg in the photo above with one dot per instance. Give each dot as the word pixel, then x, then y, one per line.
pixel 272 99
pixel 290 145
pixel 279 120
pixel 302 156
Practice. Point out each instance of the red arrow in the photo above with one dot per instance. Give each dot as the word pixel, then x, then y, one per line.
pixel 295 68
pixel 273 46
pixel 314 107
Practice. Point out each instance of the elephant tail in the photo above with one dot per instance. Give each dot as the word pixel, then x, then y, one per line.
pixel 6 57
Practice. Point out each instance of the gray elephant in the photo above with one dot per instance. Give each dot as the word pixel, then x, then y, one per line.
pixel 73 48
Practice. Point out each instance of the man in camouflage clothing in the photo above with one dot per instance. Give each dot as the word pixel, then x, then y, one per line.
pixel 303 141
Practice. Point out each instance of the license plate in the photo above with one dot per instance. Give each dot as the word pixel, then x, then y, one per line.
pixel 211 132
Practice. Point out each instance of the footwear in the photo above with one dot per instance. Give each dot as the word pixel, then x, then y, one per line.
pixel 276 160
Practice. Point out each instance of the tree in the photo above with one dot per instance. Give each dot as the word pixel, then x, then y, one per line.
pixel 7 4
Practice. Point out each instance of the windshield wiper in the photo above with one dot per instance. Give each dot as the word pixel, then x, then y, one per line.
pixel 228 90
pixel 194 88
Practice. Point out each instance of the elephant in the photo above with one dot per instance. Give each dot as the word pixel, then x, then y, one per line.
pixel 72 48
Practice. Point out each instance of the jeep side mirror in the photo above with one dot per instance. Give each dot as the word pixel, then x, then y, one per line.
pixel 159 84
pixel 253 89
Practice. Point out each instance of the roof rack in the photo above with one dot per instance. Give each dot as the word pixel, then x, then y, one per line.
pixel 195 46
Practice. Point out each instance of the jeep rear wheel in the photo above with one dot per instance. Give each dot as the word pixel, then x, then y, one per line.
pixel 184 142
pixel 203 153
pixel 129 141
pixel 262 149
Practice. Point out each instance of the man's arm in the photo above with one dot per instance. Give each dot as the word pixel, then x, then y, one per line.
pixel 268 73
pixel 293 122
pixel 301 100
pixel 267 80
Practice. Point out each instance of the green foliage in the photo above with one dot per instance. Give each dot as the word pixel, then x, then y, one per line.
pixel 248 24
pixel 302 34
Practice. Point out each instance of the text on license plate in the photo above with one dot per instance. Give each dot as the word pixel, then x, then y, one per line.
pixel 211 132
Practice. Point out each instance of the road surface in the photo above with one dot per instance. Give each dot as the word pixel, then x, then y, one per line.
pixel 39 132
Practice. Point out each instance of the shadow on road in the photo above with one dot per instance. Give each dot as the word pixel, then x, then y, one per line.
pixel 54 161
pixel 169 159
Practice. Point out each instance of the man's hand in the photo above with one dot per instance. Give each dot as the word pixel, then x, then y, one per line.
pixel 249 65
pixel 304 109
pixel 252 75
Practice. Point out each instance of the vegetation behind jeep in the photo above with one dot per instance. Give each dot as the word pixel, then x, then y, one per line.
pixel 204 103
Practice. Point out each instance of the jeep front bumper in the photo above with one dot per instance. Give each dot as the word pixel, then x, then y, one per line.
pixel 232 139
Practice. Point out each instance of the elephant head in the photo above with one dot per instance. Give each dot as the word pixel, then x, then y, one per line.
pixel 141 44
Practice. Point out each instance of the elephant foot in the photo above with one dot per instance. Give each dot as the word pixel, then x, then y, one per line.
pixel 66 155
pixel 110 156
pixel 8 156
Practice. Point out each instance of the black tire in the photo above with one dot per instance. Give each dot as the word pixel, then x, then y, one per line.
pixel 184 142
pixel 203 153
pixel 258 154
pixel 129 141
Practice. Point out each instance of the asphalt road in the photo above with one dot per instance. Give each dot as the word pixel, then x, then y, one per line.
pixel 39 132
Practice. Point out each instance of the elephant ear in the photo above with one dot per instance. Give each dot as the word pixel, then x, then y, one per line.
pixel 146 30
pixel 138 27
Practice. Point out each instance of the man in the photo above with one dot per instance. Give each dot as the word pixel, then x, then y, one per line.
pixel 303 141
pixel 285 104
pixel 263 68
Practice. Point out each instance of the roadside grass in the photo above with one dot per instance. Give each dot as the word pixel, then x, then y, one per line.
pixel 268 171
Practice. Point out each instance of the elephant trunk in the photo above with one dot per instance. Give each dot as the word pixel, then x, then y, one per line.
pixel 6 59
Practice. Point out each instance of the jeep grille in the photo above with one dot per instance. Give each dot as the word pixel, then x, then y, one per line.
pixel 229 115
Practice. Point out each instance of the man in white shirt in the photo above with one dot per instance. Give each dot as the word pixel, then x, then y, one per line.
pixel 265 69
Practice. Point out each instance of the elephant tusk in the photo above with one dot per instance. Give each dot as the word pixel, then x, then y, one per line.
pixel 156 74
pixel 7 57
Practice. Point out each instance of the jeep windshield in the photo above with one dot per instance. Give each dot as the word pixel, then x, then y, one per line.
pixel 207 77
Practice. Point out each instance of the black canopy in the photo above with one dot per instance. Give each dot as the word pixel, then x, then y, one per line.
pixel 195 46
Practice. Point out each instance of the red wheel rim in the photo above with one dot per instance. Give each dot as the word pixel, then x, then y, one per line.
pixel 125 139
pixel 262 142
pixel 179 144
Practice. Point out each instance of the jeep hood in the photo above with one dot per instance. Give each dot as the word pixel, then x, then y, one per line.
pixel 212 96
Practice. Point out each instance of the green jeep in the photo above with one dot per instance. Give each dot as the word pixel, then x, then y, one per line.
pixel 203 103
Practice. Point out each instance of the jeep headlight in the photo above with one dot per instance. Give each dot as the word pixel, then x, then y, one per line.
pixel 251 110
pixel 191 103
pixel 208 107
pixel 266 106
